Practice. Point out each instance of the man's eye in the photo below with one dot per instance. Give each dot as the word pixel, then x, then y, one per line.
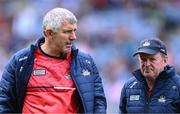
pixel 68 31
pixel 152 59
pixel 143 59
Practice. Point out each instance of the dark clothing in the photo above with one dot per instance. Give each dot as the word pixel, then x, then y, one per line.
pixel 165 97
pixel 83 70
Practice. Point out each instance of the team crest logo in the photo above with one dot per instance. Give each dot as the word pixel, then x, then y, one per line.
pixel 146 43
pixel 162 99
pixel 85 73
pixel 68 76
pixel 87 61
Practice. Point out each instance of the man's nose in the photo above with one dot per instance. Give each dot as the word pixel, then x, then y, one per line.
pixel 73 35
pixel 147 62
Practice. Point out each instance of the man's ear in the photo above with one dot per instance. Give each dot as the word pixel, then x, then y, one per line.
pixel 166 59
pixel 48 33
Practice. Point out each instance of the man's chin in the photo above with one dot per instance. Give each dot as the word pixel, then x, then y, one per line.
pixel 67 50
pixel 147 74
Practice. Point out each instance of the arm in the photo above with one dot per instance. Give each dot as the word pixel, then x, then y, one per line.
pixel 100 104
pixel 122 105
pixel 7 89
pixel 176 103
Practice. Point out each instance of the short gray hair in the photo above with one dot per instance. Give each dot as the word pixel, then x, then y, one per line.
pixel 52 20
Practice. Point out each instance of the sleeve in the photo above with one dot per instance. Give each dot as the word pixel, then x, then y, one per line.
pixel 100 104
pixel 176 103
pixel 7 88
pixel 122 105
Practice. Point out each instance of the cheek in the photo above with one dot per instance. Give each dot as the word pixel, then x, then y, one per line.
pixel 160 66
pixel 157 68
pixel 142 65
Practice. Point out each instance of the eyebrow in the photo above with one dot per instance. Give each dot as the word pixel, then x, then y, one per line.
pixel 66 29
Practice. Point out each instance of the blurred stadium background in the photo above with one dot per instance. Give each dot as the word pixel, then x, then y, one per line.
pixel 107 29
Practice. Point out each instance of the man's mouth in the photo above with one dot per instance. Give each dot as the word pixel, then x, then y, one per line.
pixel 69 45
pixel 147 70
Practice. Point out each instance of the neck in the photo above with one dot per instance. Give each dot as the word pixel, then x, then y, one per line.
pixel 150 82
pixel 49 50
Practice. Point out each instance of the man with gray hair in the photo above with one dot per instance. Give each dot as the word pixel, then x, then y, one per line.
pixel 52 76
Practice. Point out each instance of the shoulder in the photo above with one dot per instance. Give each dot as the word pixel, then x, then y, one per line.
pixel 21 54
pixel 176 80
pixel 28 51
pixel 84 55
pixel 85 61
pixel 15 62
pixel 78 53
pixel 132 82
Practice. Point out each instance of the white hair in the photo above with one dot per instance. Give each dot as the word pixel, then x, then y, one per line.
pixel 52 20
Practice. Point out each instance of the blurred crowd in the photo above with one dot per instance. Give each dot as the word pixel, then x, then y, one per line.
pixel 109 30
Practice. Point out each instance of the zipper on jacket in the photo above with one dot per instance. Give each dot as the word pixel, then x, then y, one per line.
pixel 78 90
pixel 147 100
pixel 147 104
